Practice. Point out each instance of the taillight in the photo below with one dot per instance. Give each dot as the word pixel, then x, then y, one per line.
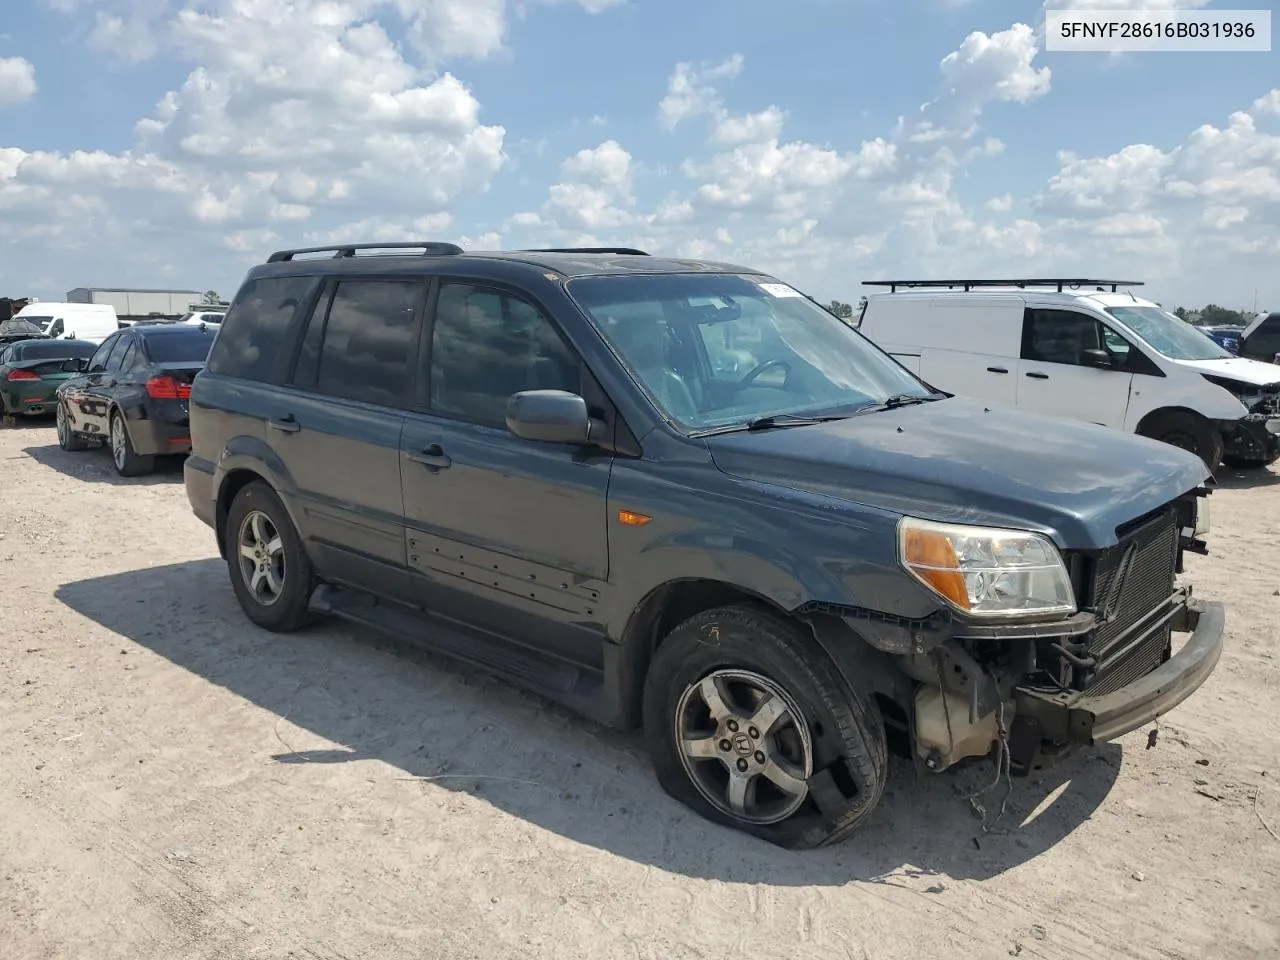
pixel 22 375
pixel 167 388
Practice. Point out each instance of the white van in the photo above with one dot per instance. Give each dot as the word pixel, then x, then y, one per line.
pixel 73 321
pixel 1082 349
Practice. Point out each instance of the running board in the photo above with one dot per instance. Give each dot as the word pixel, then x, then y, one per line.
pixel 569 684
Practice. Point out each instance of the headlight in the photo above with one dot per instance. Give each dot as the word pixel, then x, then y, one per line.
pixel 1202 517
pixel 984 571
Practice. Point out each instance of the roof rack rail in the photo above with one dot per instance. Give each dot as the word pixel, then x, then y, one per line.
pixel 1059 282
pixel 629 251
pixel 429 248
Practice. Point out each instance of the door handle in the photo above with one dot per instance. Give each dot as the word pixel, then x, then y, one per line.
pixel 285 424
pixel 1038 376
pixel 996 370
pixel 432 456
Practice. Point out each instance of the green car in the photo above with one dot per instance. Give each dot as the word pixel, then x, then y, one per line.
pixel 31 371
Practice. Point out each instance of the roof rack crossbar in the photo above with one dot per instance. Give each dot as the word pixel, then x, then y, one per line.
pixel 1060 282
pixel 628 251
pixel 429 248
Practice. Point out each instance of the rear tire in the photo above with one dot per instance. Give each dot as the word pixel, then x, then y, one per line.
pixel 1189 432
pixel 127 461
pixel 68 439
pixel 825 759
pixel 270 571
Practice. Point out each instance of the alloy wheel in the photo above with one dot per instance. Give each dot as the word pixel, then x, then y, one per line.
pixel 745 745
pixel 261 556
pixel 119 451
pixel 60 422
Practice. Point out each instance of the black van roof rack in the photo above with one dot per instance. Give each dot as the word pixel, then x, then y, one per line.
pixel 429 248
pixel 628 251
pixel 1059 282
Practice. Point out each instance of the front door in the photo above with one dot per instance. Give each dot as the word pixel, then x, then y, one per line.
pixel 88 397
pixel 505 535
pixel 1054 377
pixel 336 429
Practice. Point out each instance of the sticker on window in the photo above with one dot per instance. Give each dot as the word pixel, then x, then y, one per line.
pixel 779 290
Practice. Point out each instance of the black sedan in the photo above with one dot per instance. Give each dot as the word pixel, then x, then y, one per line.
pixel 133 393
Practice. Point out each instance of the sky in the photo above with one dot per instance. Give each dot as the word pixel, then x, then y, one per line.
pixel 176 143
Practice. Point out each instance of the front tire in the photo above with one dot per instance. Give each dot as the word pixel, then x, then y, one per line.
pixel 68 439
pixel 1188 431
pixel 270 571
pixel 750 724
pixel 127 461
pixel 1247 463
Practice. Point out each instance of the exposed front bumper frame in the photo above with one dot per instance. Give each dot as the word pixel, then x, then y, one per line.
pixel 1085 720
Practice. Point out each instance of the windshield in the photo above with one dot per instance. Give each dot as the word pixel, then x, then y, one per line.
pixel 184 347
pixel 1166 334
pixel 40 322
pixel 719 349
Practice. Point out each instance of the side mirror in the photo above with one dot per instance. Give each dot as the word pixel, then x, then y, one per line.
pixel 1095 358
pixel 74 365
pixel 551 416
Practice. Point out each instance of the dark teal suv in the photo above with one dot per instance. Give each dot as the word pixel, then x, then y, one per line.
pixel 681 495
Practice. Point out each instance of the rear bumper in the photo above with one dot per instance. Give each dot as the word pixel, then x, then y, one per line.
pixel 197 477
pixel 164 428
pixel 37 400
pixel 1079 719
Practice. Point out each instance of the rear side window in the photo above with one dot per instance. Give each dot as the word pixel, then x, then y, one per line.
pixel 131 354
pixel 256 327
pixel 360 348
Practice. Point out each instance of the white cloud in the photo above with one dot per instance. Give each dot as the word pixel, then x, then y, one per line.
pixel 1270 103
pixel 750 128
pixel 17 81
pixel 691 90
pixel 1000 204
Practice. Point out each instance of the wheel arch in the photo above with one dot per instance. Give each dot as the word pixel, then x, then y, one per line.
pixel 669 604
pixel 1166 411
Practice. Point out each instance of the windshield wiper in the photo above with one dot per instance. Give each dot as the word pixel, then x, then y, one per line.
pixel 904 400
pixel 771 422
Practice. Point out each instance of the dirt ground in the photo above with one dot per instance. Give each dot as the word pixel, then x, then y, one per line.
pixel 175 783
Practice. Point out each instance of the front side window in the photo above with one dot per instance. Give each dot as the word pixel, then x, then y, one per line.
pixel 98 362
pixel 367 342
pixel 487 345
pixel 116 355
pixel 715 350
pixel 1062 336
pixel 1166 334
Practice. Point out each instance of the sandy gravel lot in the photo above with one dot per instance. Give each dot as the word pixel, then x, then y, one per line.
pixel 175 783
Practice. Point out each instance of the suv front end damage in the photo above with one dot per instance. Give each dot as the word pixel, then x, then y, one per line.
pixel 1046 685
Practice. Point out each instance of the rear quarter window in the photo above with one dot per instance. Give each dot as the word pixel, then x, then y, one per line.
pixel 253 334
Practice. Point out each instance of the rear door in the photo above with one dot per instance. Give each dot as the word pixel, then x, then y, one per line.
pixel 506 535
pixel 1054 378
pixel 336 429
pixel 970 345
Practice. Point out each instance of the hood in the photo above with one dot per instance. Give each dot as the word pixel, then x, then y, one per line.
pixel 959 461
pixel 1236 368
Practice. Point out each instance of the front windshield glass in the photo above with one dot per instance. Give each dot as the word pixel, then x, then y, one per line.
pixel 720 349
pixel 1168 335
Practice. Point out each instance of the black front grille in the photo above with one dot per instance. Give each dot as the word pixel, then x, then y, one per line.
pixel 1131 580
